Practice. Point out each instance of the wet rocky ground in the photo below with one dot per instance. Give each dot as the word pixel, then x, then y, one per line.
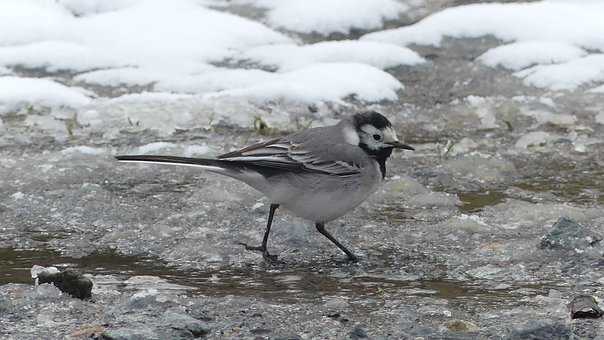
pixel 488 230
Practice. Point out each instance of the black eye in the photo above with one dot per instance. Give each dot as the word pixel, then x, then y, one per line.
pixel 377 137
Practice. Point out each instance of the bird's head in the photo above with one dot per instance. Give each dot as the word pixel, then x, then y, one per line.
pixel 374 133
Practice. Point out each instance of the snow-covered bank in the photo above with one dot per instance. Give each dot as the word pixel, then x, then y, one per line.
pixel 175 47
pixel 548 32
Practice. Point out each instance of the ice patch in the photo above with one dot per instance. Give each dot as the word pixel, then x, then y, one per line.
pixel 18 195
pixel 196 150
pixel 517 56
pixel 155 147
pixel 535 138
pixel 544 117
pixel 83 149
pixel 288 57
pixel 16 91
pixel 329 16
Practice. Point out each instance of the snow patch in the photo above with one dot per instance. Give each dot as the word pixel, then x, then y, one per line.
pixel 565 76
pixel 517 56
pixel 16 91
pixel 324 82
pixel 600 118
pixel 5 71
pixel 330 16
pixel 173 36
pixel 565 31
pixel 288 57
pixel 55 55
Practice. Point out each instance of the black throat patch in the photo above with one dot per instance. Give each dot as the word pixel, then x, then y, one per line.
pixel 380 156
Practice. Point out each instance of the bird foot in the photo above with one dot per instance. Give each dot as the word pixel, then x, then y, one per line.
pixel 265 254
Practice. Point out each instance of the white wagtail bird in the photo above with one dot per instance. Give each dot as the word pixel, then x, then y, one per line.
pixel 318 174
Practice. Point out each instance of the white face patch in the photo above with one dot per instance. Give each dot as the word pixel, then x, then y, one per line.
pixel 351 136
pixel 368 133
pixel 390 135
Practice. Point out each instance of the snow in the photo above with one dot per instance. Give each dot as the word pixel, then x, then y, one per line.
pixel 14 91
pixel 600 118
pixel 329 16
pixel 288 56
pixel 171 49
pixel 5 71
pixel 566 21
pixel 517 56
pixel 324 82
pixel 566 30
pixel 565 76
pixel 55 55
pixel 599 89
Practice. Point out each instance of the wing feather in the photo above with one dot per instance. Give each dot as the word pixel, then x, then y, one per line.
pixel 283 154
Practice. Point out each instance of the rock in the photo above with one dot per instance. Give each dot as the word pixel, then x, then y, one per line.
pixel 584 307
pixel 358 333
pixel 461 326
pixel 128 334
pixel 186 324
pixel 570 235
pixel 68 281
pixel 548 331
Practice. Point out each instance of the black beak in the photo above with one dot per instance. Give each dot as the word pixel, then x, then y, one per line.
pixel 399 145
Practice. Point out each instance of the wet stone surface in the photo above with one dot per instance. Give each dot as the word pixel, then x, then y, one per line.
pixel 488 230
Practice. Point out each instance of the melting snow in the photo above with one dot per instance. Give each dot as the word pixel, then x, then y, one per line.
pixel 15 91
pixel 328 16
pixel 565 29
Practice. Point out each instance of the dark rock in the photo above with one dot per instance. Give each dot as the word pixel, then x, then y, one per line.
pixel 5 305
pixel 358 333
pixel 128 334
pixel 584 307
pixel 183 322
pixel 568 234
pixel 260 331
pixel 551 332
pixel 68 281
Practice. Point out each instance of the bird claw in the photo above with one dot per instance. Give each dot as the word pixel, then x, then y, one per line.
pixel 265 254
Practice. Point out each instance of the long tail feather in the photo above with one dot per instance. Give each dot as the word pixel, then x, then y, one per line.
pixel 208 164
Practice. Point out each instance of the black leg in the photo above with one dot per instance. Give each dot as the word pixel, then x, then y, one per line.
pixel 263 247
pixel 321 229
